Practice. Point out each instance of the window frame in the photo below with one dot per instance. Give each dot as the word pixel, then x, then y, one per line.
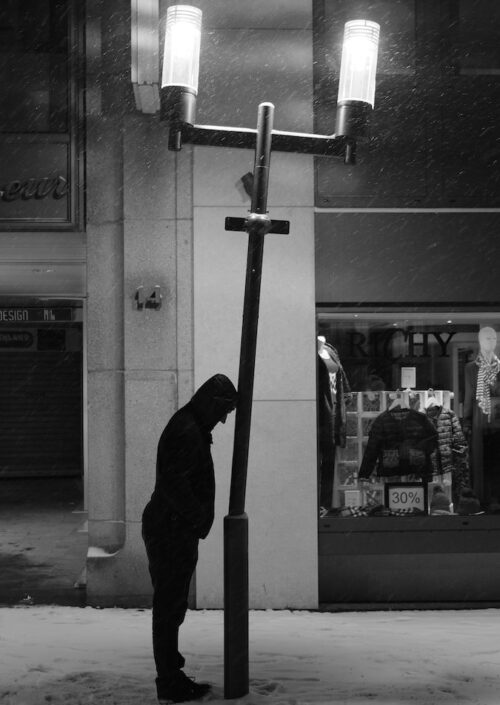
pixel 71 141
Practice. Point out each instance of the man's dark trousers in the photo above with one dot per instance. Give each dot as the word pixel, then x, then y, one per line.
pixel 172 557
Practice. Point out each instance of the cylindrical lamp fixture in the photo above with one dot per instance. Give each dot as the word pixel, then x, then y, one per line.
pixel 181 63
pixel 357 77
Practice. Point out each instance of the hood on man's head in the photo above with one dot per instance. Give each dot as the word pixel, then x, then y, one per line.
pixel 214 399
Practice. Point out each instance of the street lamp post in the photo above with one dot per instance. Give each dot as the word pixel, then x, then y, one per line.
pixel 236 604
pixel 178 105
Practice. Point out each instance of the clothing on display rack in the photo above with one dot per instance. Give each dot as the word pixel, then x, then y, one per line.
pixel 482 417
pixel 451 455
pixel 440 504
pixel 400 442
pixel 333 386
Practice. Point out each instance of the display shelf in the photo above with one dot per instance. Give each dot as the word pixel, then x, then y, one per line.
pixel 361 410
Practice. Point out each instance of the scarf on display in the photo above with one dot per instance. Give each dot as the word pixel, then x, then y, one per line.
pixel 486 378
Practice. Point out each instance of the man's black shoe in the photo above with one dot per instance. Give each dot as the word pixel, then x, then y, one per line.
pixel 182 689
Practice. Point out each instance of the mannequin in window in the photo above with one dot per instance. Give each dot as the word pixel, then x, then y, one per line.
pixel 482 417
pixel 332 386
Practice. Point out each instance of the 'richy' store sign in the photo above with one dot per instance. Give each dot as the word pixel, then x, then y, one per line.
pixel 34 184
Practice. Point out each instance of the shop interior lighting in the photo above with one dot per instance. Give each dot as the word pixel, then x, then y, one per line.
pixel 179 89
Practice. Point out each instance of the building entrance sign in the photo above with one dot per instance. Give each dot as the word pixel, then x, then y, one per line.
pixel 16 339
pixel 25 189
pixel 35 182
pixel 14 315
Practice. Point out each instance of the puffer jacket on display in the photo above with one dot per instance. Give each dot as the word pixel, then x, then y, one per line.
pixel 400 442
pixel 451 439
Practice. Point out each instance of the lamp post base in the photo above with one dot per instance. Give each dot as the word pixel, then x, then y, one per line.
pixel 235 606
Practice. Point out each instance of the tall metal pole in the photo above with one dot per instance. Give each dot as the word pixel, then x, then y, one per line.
pixel 236 603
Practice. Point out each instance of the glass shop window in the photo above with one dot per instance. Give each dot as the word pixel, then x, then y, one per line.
pixel 408 414
pixel 34 45
pixel 476 42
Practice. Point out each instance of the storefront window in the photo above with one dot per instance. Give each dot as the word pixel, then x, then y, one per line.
pixel 408 413
pixel 476 45
pixel 34 66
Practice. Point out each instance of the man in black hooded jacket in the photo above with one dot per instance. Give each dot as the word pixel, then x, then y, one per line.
pixel 179 513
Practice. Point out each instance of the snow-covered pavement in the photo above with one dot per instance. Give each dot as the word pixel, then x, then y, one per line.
pixel 80 656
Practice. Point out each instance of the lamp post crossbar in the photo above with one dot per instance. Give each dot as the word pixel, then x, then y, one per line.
pixel 280 227
pixel 245 138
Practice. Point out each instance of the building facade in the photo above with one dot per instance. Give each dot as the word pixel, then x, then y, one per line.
pixel 98 219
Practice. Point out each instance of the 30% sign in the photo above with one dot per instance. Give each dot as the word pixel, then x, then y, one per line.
pixel 405 497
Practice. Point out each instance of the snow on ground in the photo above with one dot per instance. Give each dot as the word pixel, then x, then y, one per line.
pixel 80 656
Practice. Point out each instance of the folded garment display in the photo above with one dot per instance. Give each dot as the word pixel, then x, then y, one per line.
pixel 468 503
pixel 370 510
pixel 440 504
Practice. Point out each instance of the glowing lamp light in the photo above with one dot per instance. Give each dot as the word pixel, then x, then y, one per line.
pixel 358 70
pixel 359 62
pixel 181 63
pixel 179 89
pixel 181 59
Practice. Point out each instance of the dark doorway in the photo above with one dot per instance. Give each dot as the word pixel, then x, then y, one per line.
pixel 42 512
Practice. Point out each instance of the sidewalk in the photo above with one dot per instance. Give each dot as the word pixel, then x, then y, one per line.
pixel 43 541
pixel 80 656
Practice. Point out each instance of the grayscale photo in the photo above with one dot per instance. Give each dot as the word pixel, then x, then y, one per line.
pixel 249 352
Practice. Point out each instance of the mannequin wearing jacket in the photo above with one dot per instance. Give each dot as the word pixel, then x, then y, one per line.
pixel 481 419
pixel 332 386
